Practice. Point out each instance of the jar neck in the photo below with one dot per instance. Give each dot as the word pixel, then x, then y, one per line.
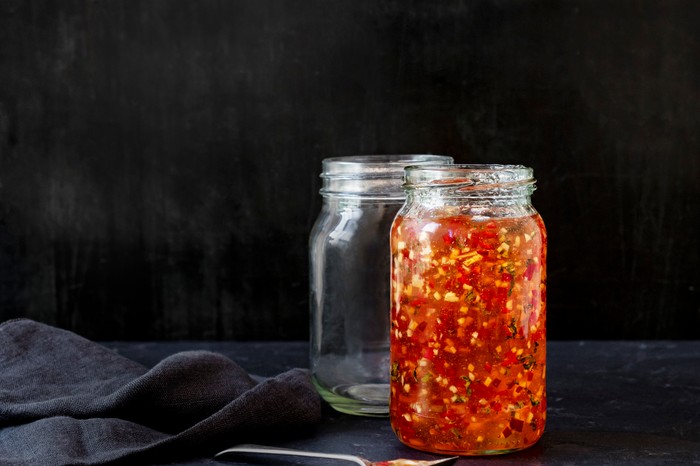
pixel 435 196
pixel 342 202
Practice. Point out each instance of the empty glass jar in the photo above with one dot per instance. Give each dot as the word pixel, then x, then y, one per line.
pixel 349 279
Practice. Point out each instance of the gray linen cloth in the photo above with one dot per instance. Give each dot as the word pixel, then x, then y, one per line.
pixel 65 400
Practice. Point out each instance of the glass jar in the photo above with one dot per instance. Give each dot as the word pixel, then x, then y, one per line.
pixel 349 279
pixel 468 342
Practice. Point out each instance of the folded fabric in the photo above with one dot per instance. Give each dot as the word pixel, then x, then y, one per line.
pixel 67 400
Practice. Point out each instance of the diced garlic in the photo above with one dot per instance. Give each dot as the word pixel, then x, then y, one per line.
pixel 451 297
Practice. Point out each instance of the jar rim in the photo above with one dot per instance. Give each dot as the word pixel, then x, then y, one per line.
pixel 377 165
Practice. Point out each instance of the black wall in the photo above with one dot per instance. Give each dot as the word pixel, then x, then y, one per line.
pixel 159 160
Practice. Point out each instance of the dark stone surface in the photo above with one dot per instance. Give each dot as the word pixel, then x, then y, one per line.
pixel 609 403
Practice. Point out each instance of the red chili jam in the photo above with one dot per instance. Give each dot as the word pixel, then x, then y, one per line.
pixel 468 344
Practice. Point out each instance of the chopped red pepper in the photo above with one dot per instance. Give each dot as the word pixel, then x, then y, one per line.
pixel 517 425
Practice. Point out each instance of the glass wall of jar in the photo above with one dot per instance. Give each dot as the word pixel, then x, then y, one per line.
pixel 349 279
pixel 468 308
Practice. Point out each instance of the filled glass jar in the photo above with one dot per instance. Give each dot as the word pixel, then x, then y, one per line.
pixel 468 311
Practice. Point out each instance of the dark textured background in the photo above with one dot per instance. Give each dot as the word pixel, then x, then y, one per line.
pixel 159 160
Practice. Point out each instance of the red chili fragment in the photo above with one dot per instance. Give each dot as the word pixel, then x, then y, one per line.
pixel 517 425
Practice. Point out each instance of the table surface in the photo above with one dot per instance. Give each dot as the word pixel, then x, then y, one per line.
pixel 608 402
